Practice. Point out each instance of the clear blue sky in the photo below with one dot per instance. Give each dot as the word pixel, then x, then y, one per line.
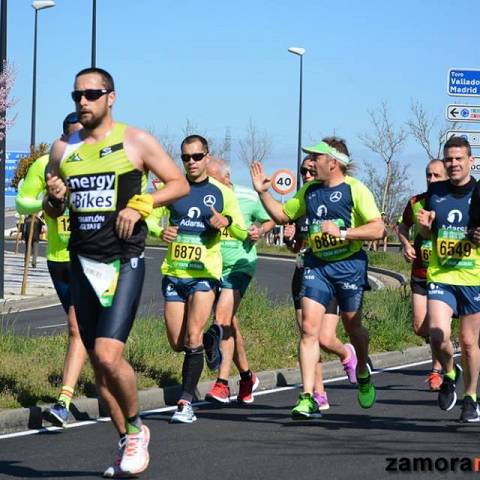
pixel 221 63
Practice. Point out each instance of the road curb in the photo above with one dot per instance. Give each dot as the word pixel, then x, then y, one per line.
pixel 22 419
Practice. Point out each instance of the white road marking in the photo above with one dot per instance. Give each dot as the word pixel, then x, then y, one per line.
pixel 172 408
pixel 52 326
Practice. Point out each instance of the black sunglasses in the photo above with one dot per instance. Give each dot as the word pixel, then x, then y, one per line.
pixel 196 157
pixel 90 94
pixel 304 171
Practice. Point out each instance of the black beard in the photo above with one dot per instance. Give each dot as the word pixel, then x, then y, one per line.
pixel 91 123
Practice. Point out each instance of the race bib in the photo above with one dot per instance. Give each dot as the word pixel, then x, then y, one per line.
pixel 426 251
pixel 454 250
pixel 103 278
pixel 188 253
pixel 227 240
pixel 63 227
pixel 324 245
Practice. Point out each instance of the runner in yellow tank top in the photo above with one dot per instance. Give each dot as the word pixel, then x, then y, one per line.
pixel 28 201
pixel 105 166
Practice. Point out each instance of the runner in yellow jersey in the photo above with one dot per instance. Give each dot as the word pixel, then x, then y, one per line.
pixel 28 201
pixel 193 265
pixel 453 276
pixel 105 167
pixel 341 214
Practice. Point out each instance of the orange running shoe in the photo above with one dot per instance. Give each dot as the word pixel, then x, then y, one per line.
pixel 434 380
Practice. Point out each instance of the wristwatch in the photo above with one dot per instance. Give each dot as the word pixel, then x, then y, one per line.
pixel 343 234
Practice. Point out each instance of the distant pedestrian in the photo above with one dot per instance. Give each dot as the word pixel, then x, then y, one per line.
pixel 37 230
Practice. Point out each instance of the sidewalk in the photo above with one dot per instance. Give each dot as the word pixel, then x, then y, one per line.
pixel 40 290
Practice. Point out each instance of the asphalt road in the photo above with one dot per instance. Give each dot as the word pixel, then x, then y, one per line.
pixel 273 275
pixel 260 441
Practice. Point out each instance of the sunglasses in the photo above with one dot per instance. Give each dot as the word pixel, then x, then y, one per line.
pixel 90 94
pixel 304 171
pixel 196 157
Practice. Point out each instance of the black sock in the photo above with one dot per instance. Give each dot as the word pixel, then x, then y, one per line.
pixel 222 381
pixel 247 375
pixel 191 371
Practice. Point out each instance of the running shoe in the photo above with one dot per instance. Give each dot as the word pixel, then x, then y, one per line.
pixel 57 415
pixel 218 393
pixel 211 342
pixel 135 456
pixel 350 365
pixel 322 400
pixel 434 380
pixel 184 413
pixel 306 407
pixel 246 389
pixel 114 470
pixel 470 410
pixel 447 395
pixel 366 392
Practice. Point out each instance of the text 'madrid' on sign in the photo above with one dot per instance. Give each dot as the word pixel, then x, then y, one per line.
pixel 464 82
pixel 11 162
pixel 463 113
pixel 473 137
pixel 283 181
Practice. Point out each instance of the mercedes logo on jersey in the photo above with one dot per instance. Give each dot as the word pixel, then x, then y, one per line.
pixel 335 196
pixel 193 212
pixel 209 200
pixel 454 216
pixel 322 211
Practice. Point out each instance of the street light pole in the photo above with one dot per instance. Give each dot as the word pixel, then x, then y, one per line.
pixel 3 143
pixel 94 32
pixel 37 5
pixel 300 52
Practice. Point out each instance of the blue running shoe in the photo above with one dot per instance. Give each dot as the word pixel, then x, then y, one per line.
pixel 211 342
pixel 57 415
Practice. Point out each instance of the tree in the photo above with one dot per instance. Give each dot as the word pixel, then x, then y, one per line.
pixel 255 146
pixel 421 126
pixel 387 141
pixel 7 80
pixel 26 162
pixel 400 188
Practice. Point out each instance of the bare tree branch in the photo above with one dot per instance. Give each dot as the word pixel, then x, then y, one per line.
pixel 255 146
pixel 386 141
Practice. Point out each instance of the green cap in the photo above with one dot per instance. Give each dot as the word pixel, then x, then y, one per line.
pixel 325 148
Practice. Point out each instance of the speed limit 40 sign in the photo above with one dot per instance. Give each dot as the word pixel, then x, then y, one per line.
pixel 283 181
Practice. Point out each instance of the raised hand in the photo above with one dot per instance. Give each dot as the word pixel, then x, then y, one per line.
pixel 261 183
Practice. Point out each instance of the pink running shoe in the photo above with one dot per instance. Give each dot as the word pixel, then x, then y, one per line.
pixel 350 364
pixel 322 400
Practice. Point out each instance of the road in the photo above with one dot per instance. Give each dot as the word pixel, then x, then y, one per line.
pixel 273 275
pixel 260 441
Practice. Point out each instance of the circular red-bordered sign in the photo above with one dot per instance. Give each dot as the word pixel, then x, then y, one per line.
pixel 283 181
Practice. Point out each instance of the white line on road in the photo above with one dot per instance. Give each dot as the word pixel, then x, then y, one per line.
pixel 172 408
pixel 52 326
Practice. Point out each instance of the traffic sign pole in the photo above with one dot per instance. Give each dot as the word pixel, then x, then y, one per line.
pixel 3 143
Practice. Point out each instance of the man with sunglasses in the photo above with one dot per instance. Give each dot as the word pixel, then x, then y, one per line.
pixel 239 266
pixel 58 262
pixel 341 214
pixel 101 173
pixel 193 264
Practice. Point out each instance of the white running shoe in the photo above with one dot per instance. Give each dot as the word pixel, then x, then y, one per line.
pixel 183 414
pixel 135 457
pixel 114 471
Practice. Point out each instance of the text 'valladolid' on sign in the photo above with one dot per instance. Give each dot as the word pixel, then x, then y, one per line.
pixel 464 82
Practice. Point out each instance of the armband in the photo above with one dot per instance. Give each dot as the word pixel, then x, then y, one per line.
pixel 143 204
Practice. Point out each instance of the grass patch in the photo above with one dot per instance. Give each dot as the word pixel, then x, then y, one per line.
pixel 31 367
pixel 390 260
